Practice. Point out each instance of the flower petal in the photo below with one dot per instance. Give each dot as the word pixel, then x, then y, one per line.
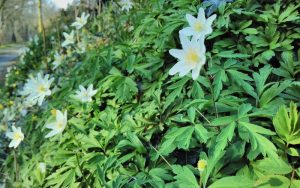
pixel 188 31
pixel 201 15
pixel 179 54
pixel 191 19
pixel 176 68
pixel 184 71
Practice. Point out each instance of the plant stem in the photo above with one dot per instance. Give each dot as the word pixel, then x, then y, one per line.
pixel 16 165
pixel 80 168
pixel 203 117
pixel 212 94
pixel 200 181
pixel 292 177
pixel 161 156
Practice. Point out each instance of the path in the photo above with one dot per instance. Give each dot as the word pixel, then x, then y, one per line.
pixel 8 56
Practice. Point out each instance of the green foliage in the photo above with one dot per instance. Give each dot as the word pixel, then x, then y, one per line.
pixel 287 125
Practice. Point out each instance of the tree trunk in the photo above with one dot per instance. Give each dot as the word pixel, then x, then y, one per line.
pixel 41 28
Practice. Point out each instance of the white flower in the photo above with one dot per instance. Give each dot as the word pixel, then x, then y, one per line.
pixel 36 89
pixel 58 59
pixel 59 125
pixel 126 5
pixel 69 39
pixel 198 27
pixel 16 135
pixel 191 57
pixel 81 21
pixel 42 168
pixel 85 95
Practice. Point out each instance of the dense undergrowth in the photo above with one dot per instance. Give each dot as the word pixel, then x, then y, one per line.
pixel 145 128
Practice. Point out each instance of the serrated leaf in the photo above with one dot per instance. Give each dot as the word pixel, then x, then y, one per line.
pixel 184 177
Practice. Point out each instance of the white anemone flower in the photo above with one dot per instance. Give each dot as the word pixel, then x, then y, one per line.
pixel 190 58
pixel 85 95
pixel 36 89
pixel 59 125
pixel 16 137
pixel 81 21
pixel 126 5
pixel 69 38
pixel 58 59
pixel 198 27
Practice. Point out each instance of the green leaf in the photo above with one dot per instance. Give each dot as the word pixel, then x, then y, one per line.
pixel 184 177
pixel 231 54
pixel 269 166
pixel 223 120
pixel 176 138
pixel 224 137
pixel 259 143
pixel 233 181
pixel 273 92
pixel 126 88
pixel 250 31
pixel 275 181
pixel 211 164
pixel 287 124
pixel 261 78
pixel 201 132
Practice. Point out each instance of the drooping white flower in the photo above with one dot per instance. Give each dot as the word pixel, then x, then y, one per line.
pixel 81 21
pixel 126 5
pixel 198 27
pixel 190 58
pixel 85 95
pixel 69 38
pixel 58 59
pixel 16 137
pixel 42 168
pixel 37 88
pixel 59 125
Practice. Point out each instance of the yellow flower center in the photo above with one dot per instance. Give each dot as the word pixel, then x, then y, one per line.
pixel 17 136
pixel 86 94
pixel 59 125
pixel 53 112
pixel 198 26
pixel 201 165
pixel 192 57
pixel 41 88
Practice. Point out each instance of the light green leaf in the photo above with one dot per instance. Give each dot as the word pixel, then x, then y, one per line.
pixel 233 181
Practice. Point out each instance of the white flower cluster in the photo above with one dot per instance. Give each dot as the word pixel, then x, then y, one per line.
pixel 37 88
pixel 126 5
pixel 192 55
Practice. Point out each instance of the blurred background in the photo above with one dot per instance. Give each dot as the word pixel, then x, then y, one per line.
pixel 21 20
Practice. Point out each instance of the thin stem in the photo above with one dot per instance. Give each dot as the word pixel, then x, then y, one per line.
pixel 203 117
pixel 200 181
pixel 80 168
pixel 212 94
pixel 75 139
pixel 292 177
pixel 16 165
pixel 161 156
